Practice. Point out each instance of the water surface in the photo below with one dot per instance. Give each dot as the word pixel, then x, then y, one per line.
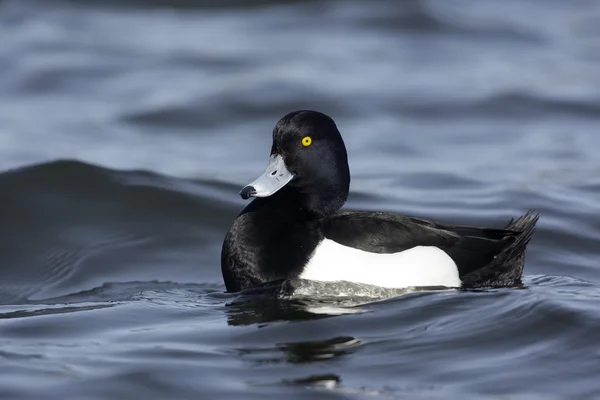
pixel 127 129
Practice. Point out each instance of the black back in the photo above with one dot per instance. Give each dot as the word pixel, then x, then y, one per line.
pixel 379 232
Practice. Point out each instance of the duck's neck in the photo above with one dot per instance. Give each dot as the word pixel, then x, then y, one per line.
pixel 290 203
pixel 323 203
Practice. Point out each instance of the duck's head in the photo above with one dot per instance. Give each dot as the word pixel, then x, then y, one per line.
pixel 309 158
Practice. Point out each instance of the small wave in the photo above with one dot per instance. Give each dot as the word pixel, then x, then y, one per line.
pixel 418 17
pixel 173 4
pixel 513 104
pixel 248 104
pixel 70 226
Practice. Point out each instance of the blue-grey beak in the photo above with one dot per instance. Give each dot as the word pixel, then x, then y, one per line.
pixel 275 177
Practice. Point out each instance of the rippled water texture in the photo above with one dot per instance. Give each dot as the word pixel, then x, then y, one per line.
pixel 127 128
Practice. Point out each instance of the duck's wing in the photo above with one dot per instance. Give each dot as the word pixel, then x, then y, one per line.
pixel 472 248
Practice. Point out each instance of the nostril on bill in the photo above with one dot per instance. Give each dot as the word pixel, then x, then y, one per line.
pixel 247 192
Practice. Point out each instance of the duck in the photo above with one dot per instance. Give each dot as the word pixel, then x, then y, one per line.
pixel 295 228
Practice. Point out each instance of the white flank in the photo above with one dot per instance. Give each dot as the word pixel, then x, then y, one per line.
pixel 419 266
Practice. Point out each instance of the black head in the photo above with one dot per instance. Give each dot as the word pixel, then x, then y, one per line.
pixel 308 157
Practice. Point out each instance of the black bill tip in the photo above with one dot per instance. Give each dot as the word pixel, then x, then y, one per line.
pixel 247 192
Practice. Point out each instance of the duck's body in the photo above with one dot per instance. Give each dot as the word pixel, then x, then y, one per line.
pixel 293 229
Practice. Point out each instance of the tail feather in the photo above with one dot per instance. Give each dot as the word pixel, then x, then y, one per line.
pixel 507 267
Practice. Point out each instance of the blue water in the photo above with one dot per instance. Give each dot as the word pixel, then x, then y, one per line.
pixel 127 129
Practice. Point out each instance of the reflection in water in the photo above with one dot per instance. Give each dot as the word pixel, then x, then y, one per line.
pixel 302 352
pixel 299 300
pixel 264 309
pixel 328 381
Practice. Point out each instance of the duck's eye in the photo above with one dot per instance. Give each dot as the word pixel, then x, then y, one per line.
pixel 306 141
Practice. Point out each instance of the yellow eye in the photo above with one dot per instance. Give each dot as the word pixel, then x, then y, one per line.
pixel 306 141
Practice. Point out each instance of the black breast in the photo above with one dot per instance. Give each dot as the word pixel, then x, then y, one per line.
pixel 267 243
